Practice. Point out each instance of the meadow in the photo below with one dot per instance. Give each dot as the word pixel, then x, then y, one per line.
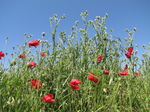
pixel 76 72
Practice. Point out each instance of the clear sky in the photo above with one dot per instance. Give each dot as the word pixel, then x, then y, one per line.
pixel 32 17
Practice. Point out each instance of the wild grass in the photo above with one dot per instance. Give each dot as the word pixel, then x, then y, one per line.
pixel 74 56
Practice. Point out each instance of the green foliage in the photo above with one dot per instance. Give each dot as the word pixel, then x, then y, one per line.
pixel 74 56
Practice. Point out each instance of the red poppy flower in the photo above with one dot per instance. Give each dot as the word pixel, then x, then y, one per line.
pixel 33 43
pixel 36 83
pixel 22 56
pixel 128 54
pixel 130 49
pixel 106 71
pixel 123 73
pixel 1 54
pixel 99 58
pixel 32 64
pixel 90 77
pixel 74 84
pixel 43 54
pixel 126 67
pixel 138 74
pixel 48 98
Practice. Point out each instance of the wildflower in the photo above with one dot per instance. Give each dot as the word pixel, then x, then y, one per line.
pixel 123 73
pixel 90 77
pixel 48 98
pixel 128 55
pixel 130 49
pixel 36 84
pixel 22 56
pixel 134 29
pixel 32 64
pixel 99 58
pixel 126 67
pixel 43 54
pixel 1 54
pixel 74 84
pixel 33 43
pixel 43 34
pixel 106 71
pixel 138 74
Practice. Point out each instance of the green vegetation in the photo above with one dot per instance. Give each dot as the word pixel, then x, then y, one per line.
pixel 124 87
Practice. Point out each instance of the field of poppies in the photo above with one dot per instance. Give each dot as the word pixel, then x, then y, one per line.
pixel 76 72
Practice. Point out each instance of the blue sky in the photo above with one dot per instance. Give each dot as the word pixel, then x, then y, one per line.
pixel 32 17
